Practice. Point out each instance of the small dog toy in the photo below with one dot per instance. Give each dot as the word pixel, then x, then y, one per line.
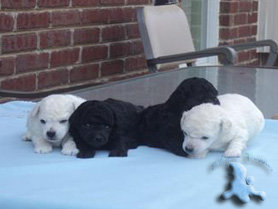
pixel 242 185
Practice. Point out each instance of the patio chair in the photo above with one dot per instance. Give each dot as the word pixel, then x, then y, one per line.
pixel 166 38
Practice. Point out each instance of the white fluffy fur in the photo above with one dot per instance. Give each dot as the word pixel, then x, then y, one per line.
pixel 227 127
pixel 52 109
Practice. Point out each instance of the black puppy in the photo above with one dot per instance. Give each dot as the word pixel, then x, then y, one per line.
pixel 159 125
pixel 104 125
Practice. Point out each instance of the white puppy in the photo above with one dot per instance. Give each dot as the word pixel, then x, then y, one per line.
pixel 227 126
pixel 47 123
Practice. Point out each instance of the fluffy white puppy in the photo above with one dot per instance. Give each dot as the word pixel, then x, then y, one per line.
pixel 227 126
pixel 47 123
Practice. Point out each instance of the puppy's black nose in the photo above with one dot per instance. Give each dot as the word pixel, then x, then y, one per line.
pixel 188 149
pixel 98 139
pixel 50 134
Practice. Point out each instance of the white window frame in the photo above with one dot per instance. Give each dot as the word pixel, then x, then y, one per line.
pixel 210 36
pixel 267 21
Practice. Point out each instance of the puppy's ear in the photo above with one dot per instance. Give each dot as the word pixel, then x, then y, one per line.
pixel 78 112
pixel 75 117
pixel 184 115
pixel 225 124
pixel 114 119
pixel 35 110
pixel 76 102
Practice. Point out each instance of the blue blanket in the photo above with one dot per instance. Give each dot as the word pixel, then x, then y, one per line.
pixel 147 179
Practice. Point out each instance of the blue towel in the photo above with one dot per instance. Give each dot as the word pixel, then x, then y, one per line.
pixel 148 178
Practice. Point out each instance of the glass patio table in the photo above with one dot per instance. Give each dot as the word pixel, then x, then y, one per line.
pixel 148 178
pixel 259 84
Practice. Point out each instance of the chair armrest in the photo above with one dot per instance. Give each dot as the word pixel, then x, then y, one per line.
pixel 256 44
pixel 227 53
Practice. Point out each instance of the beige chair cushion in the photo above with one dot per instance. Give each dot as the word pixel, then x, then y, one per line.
pixel 167 30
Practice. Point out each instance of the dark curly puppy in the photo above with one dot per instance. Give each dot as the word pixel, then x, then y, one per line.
pixel 159 125
pixel 104 125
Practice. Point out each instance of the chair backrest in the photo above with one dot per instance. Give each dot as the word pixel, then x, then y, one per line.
pixel 164 31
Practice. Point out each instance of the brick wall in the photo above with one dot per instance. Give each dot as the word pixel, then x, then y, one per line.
pixel 52 43
pixel 238 24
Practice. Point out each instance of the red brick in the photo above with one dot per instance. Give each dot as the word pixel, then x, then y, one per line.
pixel 253 63
pixel 243 56
pixel 251 39
pixel 253 18
pixel 84 73
pixel 113 33
pixel 125 49
pixel 118 15
pixel 245 6
pixel 225 20
pixel 253 54
pixel 93 53
pixel 80 3
pixel 112 2
pixel 31 62
pixel 135 48
pixel 240 41
pixel 226 33
pixel 55 38
pixel 21 83
pixel 65 18
pixel 244 31
pixel 32 20
pixel 136 2
pixel 18 4
pixel 53 3
pixel 132 31
pixel 119 49
pixel 64 57
pixel 90 16
pixel 7 66
pixel 112 67
pixel 255 6
pixel 86 35
pixel 225 42
pixel 6 22
pixel 52 78
pixel 228 7
pixel 254 30
pixel 15 43
pixel 135 63
pixel 240 19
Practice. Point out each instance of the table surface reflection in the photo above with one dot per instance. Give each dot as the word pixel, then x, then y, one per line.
pixel 259 84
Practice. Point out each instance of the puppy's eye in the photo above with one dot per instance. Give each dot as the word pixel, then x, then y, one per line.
pixel 87 124
pixel 42 121
pixel 63 121
pixel 205 137
pixel 184 133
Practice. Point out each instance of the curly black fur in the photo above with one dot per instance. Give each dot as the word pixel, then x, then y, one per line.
pixel 160 124
pixel 104 125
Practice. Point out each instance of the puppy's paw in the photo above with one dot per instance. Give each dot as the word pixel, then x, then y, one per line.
pixel 117 153
pixel 232 153
pixel 67 150
pixel 85 154
pixel 43 149
pixel 26 137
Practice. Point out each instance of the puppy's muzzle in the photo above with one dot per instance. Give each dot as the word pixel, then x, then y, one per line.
pixel 189 150
pixel 51 135
pixel 97 141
